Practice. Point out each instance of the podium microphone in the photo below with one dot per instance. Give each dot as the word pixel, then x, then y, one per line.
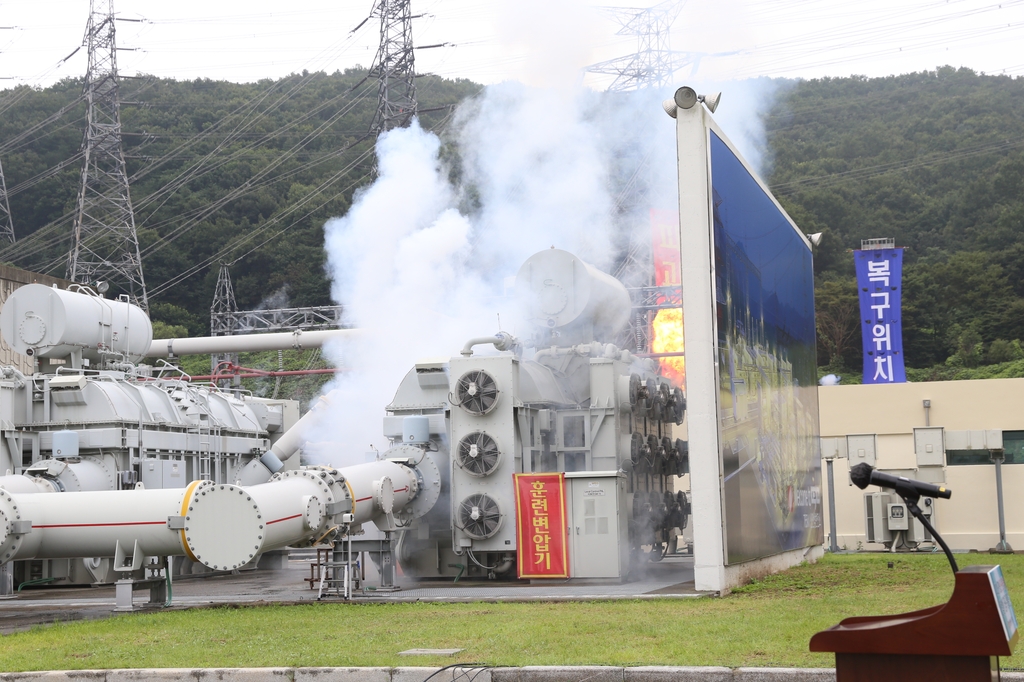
pixel 911 491
pixel 864 475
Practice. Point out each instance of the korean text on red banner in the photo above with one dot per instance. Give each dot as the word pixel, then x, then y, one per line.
pixel 541 527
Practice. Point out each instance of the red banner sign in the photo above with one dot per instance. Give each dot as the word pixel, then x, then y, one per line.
pixel 541 527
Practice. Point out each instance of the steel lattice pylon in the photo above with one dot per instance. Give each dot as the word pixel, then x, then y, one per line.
pixel 223 302
pixel 6 223
pixel 106 246
pixel 654 61
pixel 394 67
pixel 652 65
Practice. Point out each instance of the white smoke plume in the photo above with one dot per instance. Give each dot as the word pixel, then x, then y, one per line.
pixel 419 278
pixel 420 263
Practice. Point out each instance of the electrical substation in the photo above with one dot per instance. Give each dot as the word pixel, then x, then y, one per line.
pixel 116 468
pixel 557 459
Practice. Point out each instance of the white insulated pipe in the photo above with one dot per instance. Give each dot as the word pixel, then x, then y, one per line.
pixel 71 525
pixel 221 526
pixel 18 483
pixel 55 475
pixel 295 437
pixel 245 343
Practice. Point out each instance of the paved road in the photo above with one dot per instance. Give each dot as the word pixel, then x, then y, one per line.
pixel 671 578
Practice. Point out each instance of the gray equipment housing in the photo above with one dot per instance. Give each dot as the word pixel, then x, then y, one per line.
pixel 572 403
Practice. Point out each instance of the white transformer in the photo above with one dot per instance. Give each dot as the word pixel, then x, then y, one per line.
pixel 568 402
pixel 89 419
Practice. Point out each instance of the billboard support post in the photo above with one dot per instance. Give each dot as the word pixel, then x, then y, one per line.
pixel 759 511
pixel 699 334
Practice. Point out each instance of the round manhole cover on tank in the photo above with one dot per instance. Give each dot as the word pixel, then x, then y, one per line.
pixel 224 528
pixel 33 329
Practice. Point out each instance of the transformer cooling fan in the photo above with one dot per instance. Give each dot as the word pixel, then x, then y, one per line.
pixel 479 516
pixel 478 454
pixel 476 392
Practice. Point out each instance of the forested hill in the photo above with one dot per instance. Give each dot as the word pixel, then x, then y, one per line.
pixel 243 173
pixel 248 173
pixel 935 160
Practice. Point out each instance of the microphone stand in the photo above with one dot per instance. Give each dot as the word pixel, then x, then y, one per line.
pixel 911 498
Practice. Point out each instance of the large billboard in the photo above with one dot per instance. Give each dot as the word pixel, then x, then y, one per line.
pixel 766 365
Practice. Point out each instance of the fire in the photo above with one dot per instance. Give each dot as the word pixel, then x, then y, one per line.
pixel 667 329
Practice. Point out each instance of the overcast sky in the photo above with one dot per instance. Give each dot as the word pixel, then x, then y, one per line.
pixel 493 40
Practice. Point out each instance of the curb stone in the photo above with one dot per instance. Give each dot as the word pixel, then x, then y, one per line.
pixel 458 674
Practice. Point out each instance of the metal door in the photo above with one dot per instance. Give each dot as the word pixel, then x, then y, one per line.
pixel 595 528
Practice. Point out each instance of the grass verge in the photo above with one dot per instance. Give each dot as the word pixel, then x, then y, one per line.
pixel 766 623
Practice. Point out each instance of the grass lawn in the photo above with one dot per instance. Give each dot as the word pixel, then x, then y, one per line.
pixel 767 623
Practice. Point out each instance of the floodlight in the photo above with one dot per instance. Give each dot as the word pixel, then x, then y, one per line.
pixel 685 97
pixel 670 107
pixel 711 101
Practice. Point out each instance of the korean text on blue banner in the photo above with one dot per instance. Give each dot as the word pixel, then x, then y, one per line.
pixel 879 275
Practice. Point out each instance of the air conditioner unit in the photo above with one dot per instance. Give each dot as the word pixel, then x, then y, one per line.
pixel 887 515
pixel 876 507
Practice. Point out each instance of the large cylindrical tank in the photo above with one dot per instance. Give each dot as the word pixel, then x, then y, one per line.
pixel 55 323
pixel 560 291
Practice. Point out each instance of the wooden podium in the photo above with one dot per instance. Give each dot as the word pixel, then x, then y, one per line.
pixel 959 641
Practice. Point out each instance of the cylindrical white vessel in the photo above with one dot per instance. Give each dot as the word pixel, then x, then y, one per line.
pixel 221 526
pixel 559 290
pixel 89 524
pixel 372 496
pixel 54 323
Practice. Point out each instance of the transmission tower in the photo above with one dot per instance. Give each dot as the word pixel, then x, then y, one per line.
pixel 394 67
pixel 221 318
pixel 654 61
pixel 223 304
pixel 106 246
pixel 6 223
pixel 652 65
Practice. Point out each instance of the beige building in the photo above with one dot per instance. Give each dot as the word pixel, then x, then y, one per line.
pixel 969 520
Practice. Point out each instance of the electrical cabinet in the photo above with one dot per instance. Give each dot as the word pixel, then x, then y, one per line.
pixel 598 537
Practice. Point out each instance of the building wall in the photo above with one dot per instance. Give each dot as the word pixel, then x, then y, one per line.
pixel 10 279
pixel 969 520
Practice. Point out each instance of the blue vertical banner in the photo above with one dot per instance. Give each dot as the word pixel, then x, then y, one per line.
pixel 879 275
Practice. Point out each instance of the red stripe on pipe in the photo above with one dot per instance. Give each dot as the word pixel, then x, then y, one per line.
pixel 101 525
pixel 364 499
pixel 287 518
pixel 402 490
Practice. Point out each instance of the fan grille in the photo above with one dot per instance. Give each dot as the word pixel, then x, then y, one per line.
pixel 479 516
pixel 477 392
pixel 478 454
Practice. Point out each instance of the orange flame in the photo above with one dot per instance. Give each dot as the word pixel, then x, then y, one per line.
pixel 667 328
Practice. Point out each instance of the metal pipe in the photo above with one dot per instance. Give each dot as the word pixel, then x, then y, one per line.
pixel 294 438
pixel 997 458
pixel 467 350
pixel 218 525
pixel 833 546
pixel 28 484
pixel 502 341
pixel 246 343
